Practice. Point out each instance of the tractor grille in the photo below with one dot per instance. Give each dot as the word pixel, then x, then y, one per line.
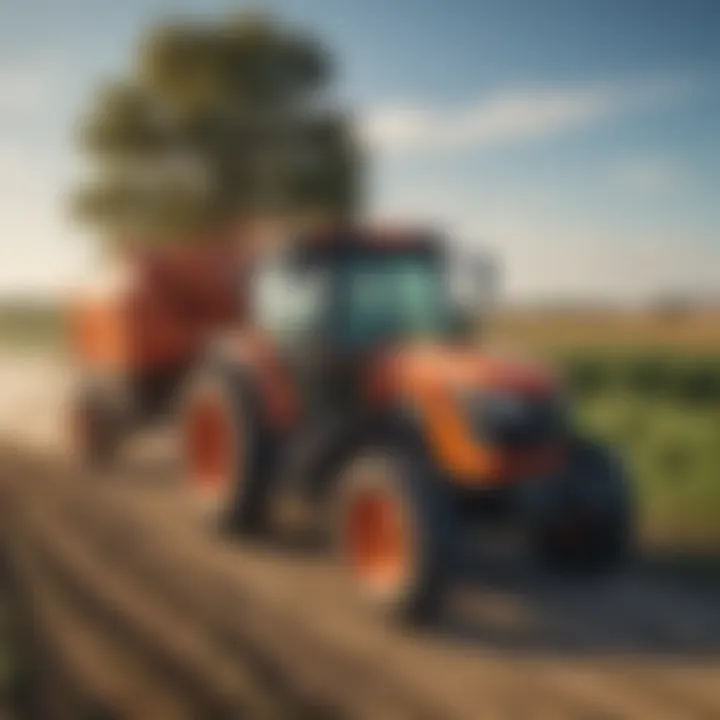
pixel 537 421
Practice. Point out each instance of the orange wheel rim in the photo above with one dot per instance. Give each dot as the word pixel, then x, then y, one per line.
pixel 376 539
pixel 209 445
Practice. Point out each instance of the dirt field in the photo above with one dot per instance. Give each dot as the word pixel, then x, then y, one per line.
pixel 141 609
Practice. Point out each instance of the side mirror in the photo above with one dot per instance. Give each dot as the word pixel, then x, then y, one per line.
pixel 474 281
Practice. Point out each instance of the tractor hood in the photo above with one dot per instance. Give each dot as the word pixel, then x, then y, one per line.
pixel 433 368
pixel 449 388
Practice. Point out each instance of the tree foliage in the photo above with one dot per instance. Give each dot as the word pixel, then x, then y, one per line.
pixel 217 122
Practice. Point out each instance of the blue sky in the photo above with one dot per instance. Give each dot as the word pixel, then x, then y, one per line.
pixel 578 140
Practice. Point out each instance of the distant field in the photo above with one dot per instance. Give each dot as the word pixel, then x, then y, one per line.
pixel 552 331
pixel 30 325
pixel 544 331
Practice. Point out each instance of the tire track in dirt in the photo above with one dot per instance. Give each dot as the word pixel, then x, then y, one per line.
pixel 229 615
pixel 96 677
pixel 295 610
pixel 575 681
pixel 164 640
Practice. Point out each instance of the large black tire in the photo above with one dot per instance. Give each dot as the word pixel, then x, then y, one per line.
pixel 96 425
pixel 393 530
pixel 589 524
pixel 225 448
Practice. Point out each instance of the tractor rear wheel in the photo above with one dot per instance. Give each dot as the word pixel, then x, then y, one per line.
pixel 393 532
pixel 221 441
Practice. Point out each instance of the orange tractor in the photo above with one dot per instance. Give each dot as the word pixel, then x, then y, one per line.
pixel 354 382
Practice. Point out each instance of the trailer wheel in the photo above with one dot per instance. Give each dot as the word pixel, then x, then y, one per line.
pixel 590 529
pixel 95 426
pixel 393 533
pixel 221 443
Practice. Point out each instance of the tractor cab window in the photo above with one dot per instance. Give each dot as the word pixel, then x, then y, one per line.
pixel 392 297
pixel 290 302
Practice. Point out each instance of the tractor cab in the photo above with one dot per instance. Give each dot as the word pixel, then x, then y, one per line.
pixel 330 304
pixel 356 293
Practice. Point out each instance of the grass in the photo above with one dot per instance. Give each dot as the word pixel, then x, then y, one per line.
pixel 673 453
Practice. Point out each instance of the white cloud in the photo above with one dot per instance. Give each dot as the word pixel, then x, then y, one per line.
pixel 510 116
pixel 647 175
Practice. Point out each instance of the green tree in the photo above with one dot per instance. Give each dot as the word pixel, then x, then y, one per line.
pixel 218 122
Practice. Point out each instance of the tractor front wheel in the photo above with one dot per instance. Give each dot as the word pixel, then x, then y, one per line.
pixel 590 526
pixel 393 532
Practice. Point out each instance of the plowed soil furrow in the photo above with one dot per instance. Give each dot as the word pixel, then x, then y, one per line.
pixel 217 605
pixel 365 657
pixel 99 676
pixel 565 690
pixel 169 642
pixel 134 567
pixel 581 679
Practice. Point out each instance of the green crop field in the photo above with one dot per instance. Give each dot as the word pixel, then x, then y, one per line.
pixel 673 453
pixel 661 411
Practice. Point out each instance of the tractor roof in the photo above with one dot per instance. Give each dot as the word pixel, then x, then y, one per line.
pixel 380 238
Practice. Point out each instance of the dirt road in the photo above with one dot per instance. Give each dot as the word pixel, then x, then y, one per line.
pixel 165 617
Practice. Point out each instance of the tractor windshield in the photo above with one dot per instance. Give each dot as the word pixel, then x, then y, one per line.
pixel 393 296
